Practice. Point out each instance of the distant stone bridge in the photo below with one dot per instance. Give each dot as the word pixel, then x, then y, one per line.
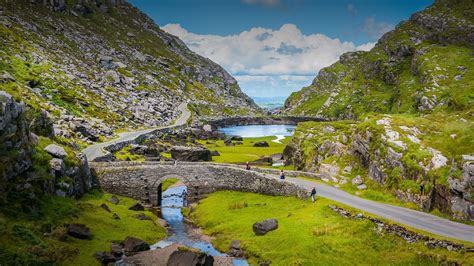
pixel 263 120
pixel 142 180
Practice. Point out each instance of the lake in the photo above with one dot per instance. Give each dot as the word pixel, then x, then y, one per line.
pixel 257 131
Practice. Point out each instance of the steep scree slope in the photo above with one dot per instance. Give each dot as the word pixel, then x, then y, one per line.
pixel 97 66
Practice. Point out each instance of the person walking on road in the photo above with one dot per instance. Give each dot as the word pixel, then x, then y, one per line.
pixel 282 175
pixel 313 194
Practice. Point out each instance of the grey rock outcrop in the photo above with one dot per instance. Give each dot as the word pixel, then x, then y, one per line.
pixel 56 151
pixel 265 226
pixel 190 154
pixel 17 173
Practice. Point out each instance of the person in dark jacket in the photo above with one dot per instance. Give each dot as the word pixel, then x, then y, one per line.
pixel 313 194
pixel 247 166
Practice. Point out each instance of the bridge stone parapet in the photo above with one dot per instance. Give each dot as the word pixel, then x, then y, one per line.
pixel 142 180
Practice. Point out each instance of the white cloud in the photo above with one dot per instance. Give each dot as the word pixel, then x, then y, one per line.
pixel 260 51
pixel 284 57
pixel 375 29
pixel 366 46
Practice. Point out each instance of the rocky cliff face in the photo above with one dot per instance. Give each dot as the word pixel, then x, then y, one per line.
pixel 425 65
pixel 419 161
pixel 97 66
pixel 30 165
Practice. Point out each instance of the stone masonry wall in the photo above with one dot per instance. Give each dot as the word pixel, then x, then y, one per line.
pixel 141 180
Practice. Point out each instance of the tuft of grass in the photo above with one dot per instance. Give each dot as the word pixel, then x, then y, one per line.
pixel 168 183
pixel 307 234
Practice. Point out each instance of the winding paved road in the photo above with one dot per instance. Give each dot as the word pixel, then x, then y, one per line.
pixel 97 150
pixel 415 219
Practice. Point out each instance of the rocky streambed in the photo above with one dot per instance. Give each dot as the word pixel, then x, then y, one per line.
pixel 182 235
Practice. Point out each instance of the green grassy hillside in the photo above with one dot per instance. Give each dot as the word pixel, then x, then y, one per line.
pixel 425 65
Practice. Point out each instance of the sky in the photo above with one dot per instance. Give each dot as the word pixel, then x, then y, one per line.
pixel 275 47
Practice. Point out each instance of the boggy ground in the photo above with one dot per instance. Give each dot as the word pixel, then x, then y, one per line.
pixel 41 239
pixel 308 234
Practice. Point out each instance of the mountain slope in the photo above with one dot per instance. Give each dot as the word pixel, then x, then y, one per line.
pixel 409 105
pixel 98 66
pixel 426 64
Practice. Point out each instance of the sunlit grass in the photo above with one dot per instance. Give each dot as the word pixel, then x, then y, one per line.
pixel 308 234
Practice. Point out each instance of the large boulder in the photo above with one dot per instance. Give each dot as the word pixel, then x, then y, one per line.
pixel 78 231
pixel 265 226
pixel 185 257
pixel 190 154
pixel 132 245
pixel 237 138
pixel 261 144
pixel 56 151
pixel 264 160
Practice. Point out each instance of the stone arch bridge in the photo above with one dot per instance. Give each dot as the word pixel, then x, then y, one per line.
pixel 142 180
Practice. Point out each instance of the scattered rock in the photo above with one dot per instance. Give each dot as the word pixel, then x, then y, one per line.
pixel 237 138
pixel 207 128
pixel 114 200
pixel 185 257
pixel 106 257
pixel 117 249
pixel 132 245
pixel 136 207
pixel 115 216
pixel 235 250
pixel 105 207
pixel 362 187
pixel 357 180
pixel 261 144
pixel 215 153
pixel 265 226
pixel 142 216
pixel 6 77
pixel 402 232
pixel 78 231
pixel 190 154
pixel 264 160
pixel 162 222
pixel 56 151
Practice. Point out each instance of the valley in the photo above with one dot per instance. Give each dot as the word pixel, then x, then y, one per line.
pixel 121 146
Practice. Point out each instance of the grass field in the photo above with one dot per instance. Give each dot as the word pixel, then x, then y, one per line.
pixel 308 234
pixel 245 152
pixel 28 240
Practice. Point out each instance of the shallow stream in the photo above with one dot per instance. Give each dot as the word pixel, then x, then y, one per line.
pixel 181 233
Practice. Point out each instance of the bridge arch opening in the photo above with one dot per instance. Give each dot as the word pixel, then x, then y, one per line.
pixel 164 183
